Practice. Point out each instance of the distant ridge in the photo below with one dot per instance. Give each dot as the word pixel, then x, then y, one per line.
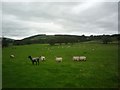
pixel 44 35
pixel 7 38
pixel 30 37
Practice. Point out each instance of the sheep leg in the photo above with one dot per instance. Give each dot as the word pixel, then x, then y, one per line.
pixel 38 62
pixel 32 62
pixel 43 59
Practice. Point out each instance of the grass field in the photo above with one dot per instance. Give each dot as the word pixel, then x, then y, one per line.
pixel 99 71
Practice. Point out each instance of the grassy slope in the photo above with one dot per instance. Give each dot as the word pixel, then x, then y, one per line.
pixel 100 69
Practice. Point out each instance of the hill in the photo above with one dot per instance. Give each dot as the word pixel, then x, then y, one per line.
pixel 42 38
pixel 60 39
pixel 6 41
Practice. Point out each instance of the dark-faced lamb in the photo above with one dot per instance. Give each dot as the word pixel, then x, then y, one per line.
pixel 35 59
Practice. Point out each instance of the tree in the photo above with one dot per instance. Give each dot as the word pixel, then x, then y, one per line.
pixel 106 39
pixel 82 38
pixel 52 41
pixel 4 42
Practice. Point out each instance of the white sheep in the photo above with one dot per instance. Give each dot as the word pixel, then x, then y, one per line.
pixel 12 56
pixel 42 58
pixel 76 58
pixel 58 59
pixel 82 58
pixel 79 58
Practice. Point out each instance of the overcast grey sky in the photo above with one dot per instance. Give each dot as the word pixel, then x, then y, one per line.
pixel 23 19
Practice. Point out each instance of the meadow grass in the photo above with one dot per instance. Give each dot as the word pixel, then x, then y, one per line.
pixel 99 71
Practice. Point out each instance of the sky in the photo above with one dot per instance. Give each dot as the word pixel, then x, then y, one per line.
pixel 24 19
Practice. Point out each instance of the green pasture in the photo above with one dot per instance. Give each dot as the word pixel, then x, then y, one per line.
pixel 99 71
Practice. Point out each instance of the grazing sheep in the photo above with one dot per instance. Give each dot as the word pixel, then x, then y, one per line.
pixel 76 58
pixel 12 56
pixel 36 59
pixel 82 58
pixel 58 59
pixel 42 58
pixel 68 46
pixel 79 58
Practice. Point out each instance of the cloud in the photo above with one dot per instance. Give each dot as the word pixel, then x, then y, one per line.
pixel 29 18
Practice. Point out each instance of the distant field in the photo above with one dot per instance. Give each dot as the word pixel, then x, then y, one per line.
pixel 100 70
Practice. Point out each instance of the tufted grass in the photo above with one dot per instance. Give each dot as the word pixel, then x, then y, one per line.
pixel 99 71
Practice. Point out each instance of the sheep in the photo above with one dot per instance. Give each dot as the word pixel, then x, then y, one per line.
pixel 82 58
pixel 42 58
pixel 68 46
pixel 76 58
pixel 59 59
pixel 35 59
pixel 79 58
pixel 12 56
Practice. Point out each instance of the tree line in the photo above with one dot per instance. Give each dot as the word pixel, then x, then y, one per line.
pixel 60 39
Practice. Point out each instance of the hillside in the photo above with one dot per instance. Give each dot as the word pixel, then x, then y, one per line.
pixel 42 38
pixel 59 39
